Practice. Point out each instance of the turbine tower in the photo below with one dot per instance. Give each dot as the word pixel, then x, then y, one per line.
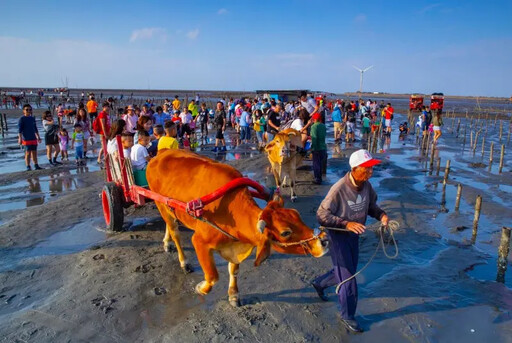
pixel 361 78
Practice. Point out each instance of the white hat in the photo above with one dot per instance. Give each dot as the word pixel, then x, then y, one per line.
pixel 362 158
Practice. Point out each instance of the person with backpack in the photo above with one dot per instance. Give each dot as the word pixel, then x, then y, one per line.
pixel 101 126
pixel 51 138
pixel 389 110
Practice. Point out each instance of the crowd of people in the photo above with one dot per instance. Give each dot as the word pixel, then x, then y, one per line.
pixel 181 124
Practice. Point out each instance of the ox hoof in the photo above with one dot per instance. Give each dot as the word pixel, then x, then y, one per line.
pixel 234 301
pixel 187 268
pixel 169 248
pixel 198 288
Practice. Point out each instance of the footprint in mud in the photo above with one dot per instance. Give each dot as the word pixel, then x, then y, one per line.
pixel 144 268
pixel 159 290
pixel 98 257
pixel 104 304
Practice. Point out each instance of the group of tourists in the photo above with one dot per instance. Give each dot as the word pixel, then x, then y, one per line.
pixel 252 120
pixel 430 120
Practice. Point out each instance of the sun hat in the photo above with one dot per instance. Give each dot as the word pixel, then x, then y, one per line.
pixel 130 107
pixel 316 117
pixel 362 158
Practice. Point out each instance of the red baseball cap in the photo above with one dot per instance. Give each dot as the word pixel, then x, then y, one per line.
pixel 316 117
pixel 362 158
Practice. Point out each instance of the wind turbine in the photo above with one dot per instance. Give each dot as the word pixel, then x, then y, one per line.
pixel 361 79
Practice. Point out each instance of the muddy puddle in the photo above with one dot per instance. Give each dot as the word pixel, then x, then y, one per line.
pixel 72 240
pixel 35 191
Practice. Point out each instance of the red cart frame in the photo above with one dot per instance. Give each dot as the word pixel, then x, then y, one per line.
pixel 120 191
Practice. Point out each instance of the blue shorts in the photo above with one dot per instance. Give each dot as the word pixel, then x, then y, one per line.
pixel 31 147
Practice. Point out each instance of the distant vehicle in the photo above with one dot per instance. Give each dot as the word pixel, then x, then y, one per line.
pixel 415 102
pixel 415 105
pixel 437 102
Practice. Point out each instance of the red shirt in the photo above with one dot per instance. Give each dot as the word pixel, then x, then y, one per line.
pixel 389 112
pixel 103 115
pixel 176 119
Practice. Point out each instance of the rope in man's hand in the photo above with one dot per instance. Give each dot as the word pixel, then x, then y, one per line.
pixel 392 226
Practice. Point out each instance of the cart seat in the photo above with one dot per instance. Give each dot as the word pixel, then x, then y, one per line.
pixel 139 177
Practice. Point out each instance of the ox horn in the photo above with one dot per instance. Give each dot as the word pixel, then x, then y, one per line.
pixel 261 225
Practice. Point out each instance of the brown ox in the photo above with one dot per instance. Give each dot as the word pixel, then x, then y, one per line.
pixel 284 158
pixel 186 176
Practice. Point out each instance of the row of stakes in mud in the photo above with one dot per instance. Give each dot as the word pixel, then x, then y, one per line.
pixel 504 247
pixel 3 124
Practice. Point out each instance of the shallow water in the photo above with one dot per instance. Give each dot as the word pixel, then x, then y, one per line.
pixel 72 240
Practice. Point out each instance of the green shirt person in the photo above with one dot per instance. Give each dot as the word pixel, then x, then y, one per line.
pixel 318 146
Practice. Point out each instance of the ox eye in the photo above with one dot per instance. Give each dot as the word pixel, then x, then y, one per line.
pixel 286 234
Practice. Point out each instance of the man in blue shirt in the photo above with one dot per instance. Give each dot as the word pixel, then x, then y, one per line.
pixel 28 136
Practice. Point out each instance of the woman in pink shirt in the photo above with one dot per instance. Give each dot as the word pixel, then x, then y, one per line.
pixel 131 119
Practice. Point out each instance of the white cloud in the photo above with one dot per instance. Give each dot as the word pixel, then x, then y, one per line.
pixel 193 34
pixel 428 8
pixel 222 11
pixel 360 18
pixel 148 33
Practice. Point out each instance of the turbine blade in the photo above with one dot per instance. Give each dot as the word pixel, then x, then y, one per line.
pixel 370 67
pixel 356 68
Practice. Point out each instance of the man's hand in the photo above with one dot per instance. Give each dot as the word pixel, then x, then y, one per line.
pixel 356 227
pixel 384 220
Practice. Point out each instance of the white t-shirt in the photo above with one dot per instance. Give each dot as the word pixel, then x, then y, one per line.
pixel 309 105
pixel 186 118
pixel 112 146
pixel 138 156
pixel 297 124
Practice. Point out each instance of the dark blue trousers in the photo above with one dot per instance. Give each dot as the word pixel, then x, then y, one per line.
pixel 344 250
pixel 318 162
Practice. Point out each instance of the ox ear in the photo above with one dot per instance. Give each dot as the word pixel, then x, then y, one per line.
pixel 262 251
pixel 295 138
pixel 270 146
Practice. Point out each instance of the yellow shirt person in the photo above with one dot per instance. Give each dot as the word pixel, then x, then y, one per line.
pixel 167 143
pixel 176 104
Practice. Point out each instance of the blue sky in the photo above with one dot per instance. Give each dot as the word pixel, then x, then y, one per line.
pixel 455 47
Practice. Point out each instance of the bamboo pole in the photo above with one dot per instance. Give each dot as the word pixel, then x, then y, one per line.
pixel 447 170
pixel 483 145
pixel 491 152
pixel 457 199
pixel 502 155
pixel 476 218
pixel 503 251
pixel 438 166
pixel 432 157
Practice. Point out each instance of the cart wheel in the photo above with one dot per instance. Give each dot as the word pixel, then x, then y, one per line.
pixel 112 201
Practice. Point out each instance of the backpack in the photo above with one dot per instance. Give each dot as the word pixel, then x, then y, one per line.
pixel 96 125
pixel 352 117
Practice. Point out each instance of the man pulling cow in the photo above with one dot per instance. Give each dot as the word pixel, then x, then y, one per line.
pixel 346 206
